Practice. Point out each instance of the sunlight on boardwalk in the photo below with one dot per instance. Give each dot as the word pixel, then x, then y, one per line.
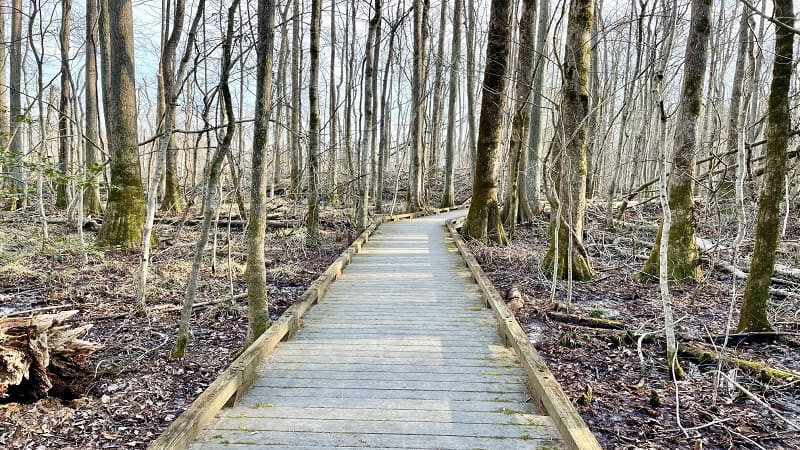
pixel 401 354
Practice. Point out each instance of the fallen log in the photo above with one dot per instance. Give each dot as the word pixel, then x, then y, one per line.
pixel 40 355
pixel 762 372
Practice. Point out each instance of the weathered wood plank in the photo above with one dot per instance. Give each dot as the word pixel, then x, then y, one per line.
pixel 271 394
pixel 541 382
pixel 311 371
pixel 272 439
pixel 335 403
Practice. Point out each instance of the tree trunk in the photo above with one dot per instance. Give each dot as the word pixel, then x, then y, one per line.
pixel 362 218
pixel 756 291
pixel 483 218
pixel 515 205
pixel 438 87
pixel 295 166
pixel 726 189
pixel 534 176
pixel 64 147
pixel 333 158
pixel 255 272
pixel 448 197
pixel 4 128
pixel 566 255
pixel 125 211
pixel 470 38
pixel 16 190
pixel 416 189
pixel 683 258
pixel 91 196
pixel 312 217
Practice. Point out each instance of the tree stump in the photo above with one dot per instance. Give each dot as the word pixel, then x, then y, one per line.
pixel 41 355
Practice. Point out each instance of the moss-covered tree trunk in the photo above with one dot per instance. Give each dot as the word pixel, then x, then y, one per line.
pixel 125 211
pixel 483 218
pixel 255 272
pixel 756 291
pixel 566 254
pixel 533 178
pixel 515 205
pixel 683 257
pixel 448 197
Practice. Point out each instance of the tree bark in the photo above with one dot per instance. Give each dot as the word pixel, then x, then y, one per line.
pixel 312 217
pixel 362 218
pixel 417 152
pixel 91 199
pixel 755 300
pixel 125 211
pixel 64 147
pixel 448 197
pixel 683 258
pixel 255 272
pixel 534 176
pixel 483 219
pixel 566 254
pixel 16 191
pixel 515 203
pixel 295 153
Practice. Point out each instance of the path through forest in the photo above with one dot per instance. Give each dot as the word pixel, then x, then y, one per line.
pixel 402 353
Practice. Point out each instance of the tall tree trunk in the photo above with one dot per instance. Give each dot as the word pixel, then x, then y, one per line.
pixel 255 272
pixel 64 141
pixel 362 219
pixel 333 158
pixel 438 87
pixel 280 113
pixel 470 38
pixel 683 258
pixel 312 217
pixel 515 205
pixel 125 211
pixel 449 194
pixel 483 218
pixel 566 254
pixel 756 291
pixel 726 189
pixel 17 183
pixel 295 153
pixel 416 189
pixel 91 196
pixel 534 177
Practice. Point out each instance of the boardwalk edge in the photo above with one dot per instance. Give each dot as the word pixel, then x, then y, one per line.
pixel 236 379
pixel 542 385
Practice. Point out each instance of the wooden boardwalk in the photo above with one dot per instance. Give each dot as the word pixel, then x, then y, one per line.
pixel 401 354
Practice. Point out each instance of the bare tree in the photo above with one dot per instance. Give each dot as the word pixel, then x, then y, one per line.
pixel 125 211
pixel 483 218
pixel 416 188
pixel 64 141
pixel 91 200
pixel 683 258
pixel 312 216
pixel 448 197
pixel 255 272
pixel 566 255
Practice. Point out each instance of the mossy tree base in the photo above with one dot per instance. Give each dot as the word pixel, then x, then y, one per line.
pixel 578 260
pixel 483 223
pixel 123 222
pixel 683 259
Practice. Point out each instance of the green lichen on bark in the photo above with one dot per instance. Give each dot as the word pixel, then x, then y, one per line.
pixel 753 315
pixel 578 260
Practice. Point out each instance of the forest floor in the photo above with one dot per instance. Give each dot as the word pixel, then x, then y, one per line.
pixel 634 405
pixel 134 388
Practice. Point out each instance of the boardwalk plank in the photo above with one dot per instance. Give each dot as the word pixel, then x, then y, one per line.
pixel 401 353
